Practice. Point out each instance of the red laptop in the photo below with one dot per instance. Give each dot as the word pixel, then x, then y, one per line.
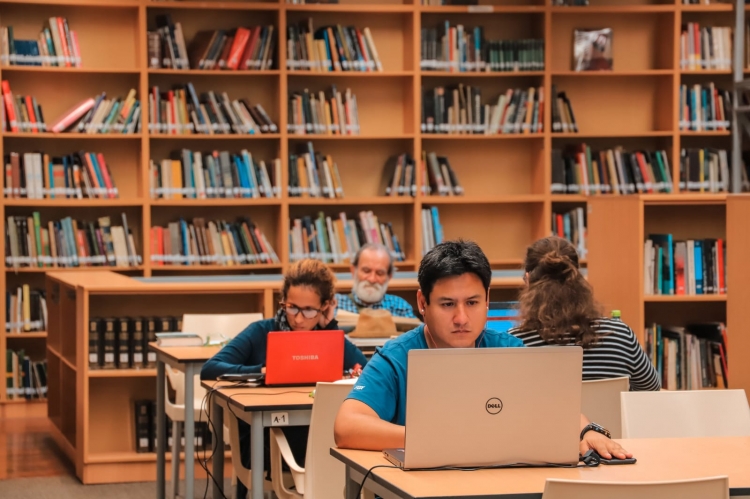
pixel 304 357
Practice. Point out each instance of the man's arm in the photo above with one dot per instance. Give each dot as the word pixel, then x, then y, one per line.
pixel 605 447
pixel 358 426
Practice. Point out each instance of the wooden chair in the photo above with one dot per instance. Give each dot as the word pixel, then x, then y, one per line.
pixel 701 488
pixel 689 413
pixel 323 476
pixel 600 402
pixel 230 325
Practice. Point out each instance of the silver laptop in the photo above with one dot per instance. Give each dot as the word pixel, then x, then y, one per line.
pixel 491 406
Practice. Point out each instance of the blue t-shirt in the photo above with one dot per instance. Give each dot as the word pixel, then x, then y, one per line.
pixel 382 385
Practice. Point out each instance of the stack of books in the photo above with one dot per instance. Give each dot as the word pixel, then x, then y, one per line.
pixel 210 243
pixel 179 112
pixel 337 239
pixel 69 243
pixel 36 175
pixel 215 174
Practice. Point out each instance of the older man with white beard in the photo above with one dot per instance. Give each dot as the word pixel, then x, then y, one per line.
pixel 372 268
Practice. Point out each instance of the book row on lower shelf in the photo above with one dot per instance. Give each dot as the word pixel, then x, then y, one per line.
pixel 337 239
pixel 571 225
pixel 705 108
pixel 211 243
pixel 122 342
pixel 180 111
pixel 462 49
pixel 69 243
pixel 25 310
pixel 25 378
pixel 689 358
pixel 241 48
pixel 432 229
pixel 145 430
pixel 691 267
pixel 331 48
pixel 56 45
pixel 36 175
pixel 459 110
pixel 310 114
pixel 93 115
pixel 214 174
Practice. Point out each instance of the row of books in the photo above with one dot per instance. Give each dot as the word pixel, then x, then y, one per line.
pixel 459 110
pixel 69 243
pixel 313 174
pixel 21 113
pixel 563 118
pixel 705 107
pixel 691 267
pixel 145 430
pixel 25 310
pixel 210 243
pixel 337 239
pixel 56 45
pixel 122 342
pixel 102 115
pixel 401 176
pixel 708 47
pixel 215 174
pixel 331 48
pixel 432 229
pixel 689 358
pixel 242 48
pixel 581 170
pixel 460 49
pixel 704 170
pixel 309 113
pixel 179 111
pixel 36 175
pixel 571 225
pixel 25 378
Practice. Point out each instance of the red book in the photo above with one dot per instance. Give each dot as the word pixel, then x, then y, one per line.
pixel 10 110
pixel 106 176
pixel 72 115
pixel 238 47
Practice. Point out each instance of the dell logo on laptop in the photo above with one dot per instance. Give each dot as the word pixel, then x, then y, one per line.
pixel 494 405
pixel 304 357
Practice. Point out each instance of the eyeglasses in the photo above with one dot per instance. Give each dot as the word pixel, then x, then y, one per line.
pixel 307 313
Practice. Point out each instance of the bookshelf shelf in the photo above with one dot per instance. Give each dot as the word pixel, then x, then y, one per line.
pixel 615 73
pixel 613 9
pixel 86 203
pixel 79 3
pixel 24 336
pixel 55 69
pixel 213 72
pixel 164 203
pixel 212 5
pixel 226 137
pixel 482 9
pixel 349 8
pixel 73 136
pixel 314 137
pixel 353 201
pixel 684 199
pixel 569 198
pixel 517 199
pixel 614 135
pixel 213 268
pixel 706 72
pixel 684 298
pixel 346 74
pixel 718 133
pixel 499 136
pixel 478 74
pixel 716 7
pixel 122 373
pixel 40 270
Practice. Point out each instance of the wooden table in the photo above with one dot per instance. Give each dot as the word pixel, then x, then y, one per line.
pixel 259 407
pixel 658 460
pixel 188 360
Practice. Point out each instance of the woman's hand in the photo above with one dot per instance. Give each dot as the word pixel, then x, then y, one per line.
pixel 603 446
pixel 326 316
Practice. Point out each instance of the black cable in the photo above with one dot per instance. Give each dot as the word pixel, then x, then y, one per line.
pixel 361 485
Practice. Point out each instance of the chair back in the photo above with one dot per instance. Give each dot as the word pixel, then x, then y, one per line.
pixel 688 413
pixel 600 402
pixel 702 488
pixel 324 475
pixel 230 325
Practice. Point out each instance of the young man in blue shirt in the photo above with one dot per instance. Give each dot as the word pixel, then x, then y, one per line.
pixel 453 297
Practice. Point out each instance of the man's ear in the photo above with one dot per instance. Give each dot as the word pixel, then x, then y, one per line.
pixel 421 301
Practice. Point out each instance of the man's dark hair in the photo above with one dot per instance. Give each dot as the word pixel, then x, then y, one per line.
pixel 453 258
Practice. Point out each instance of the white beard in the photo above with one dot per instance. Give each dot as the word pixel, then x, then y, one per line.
pixel 368 292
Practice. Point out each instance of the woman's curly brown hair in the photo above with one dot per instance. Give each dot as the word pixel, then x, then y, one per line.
pixel 558 302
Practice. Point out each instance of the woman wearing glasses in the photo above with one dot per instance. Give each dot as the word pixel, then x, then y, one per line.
pixel 307 303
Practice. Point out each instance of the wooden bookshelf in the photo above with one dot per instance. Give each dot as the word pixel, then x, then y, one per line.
pixel 507 203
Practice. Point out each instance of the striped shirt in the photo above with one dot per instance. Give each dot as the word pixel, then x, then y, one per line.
pixel 617 353
pixel 397 306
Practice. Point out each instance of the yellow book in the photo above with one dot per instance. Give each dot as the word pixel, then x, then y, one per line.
pixel 176 179
pixel 26 302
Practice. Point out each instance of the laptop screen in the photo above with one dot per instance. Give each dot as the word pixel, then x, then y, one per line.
pixel 502 315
